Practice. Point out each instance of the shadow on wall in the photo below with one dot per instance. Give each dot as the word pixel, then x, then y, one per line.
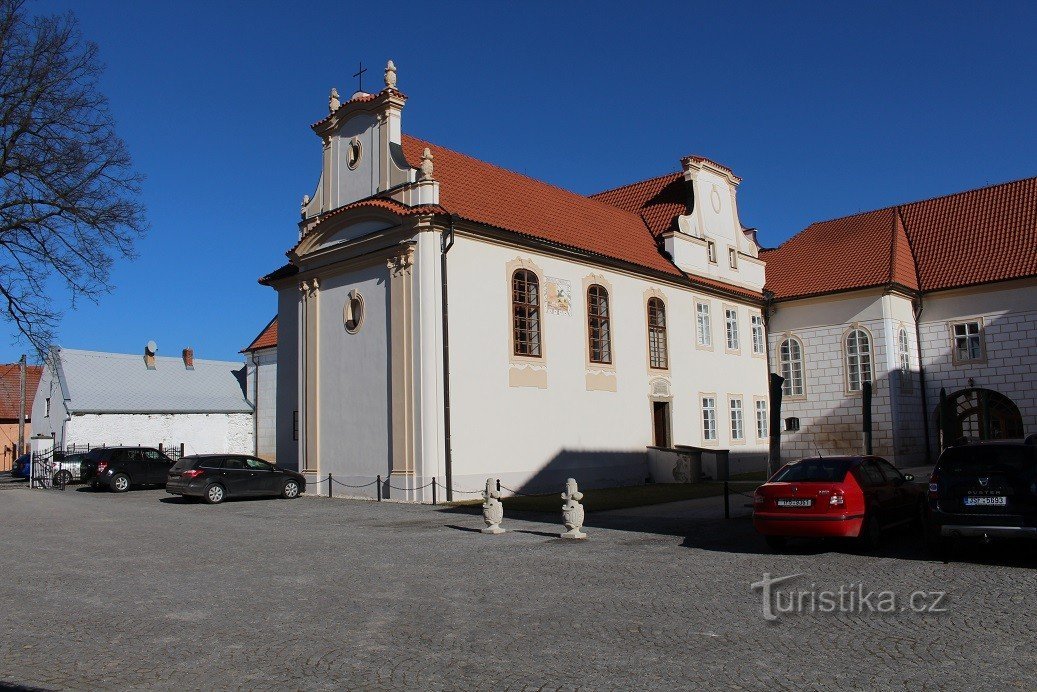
pixel 591 469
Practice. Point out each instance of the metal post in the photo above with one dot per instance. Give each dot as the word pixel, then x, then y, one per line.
pixel 181 450
pixel 727 500
pixel 944 422
pixel 379 486
pixel 434 491
pixel 329 484
pixel 866 415
pixel 498 485
pixel 774 450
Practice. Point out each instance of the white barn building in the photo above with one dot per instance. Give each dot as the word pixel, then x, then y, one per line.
pixel 95 398
pixel 443 317
pixel 919 297
pixel 261 385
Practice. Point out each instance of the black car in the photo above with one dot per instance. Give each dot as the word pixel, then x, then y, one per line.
pixel 215 477
pixel 984 490
pixel 119 468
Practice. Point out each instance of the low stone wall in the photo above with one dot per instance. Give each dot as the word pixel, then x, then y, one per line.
pixel 668 465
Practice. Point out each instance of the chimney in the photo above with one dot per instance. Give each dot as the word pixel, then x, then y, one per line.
pixel 150 349
pixel 189 358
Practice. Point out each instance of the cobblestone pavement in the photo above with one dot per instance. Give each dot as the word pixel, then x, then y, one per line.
pixel 142 591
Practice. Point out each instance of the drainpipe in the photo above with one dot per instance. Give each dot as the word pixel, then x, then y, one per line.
pixel 446 241
pixel 255 405
pixel 917 309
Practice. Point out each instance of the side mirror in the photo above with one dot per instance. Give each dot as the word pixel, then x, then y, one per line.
pixel 908 477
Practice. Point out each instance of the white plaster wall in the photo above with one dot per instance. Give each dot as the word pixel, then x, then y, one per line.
pixel 201 433
pixel 354 405
pixel 362 181
pixel 287 386
pixel 1009 316
pixel 52 424
pixel 261 368
pixel 534 437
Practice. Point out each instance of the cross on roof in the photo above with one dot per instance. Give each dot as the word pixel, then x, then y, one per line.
pixel 360 76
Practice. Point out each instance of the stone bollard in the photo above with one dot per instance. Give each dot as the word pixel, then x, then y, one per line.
pixel 492 509
pixel 572 510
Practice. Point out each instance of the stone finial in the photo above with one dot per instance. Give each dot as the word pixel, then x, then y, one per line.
pixel 572 510
pixel 390 75
pixel 302 207
pixel 426 165
pixel 492 509
pixel 333 102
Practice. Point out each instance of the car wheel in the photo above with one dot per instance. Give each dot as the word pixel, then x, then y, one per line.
pixel 290 490
pixel 776 543
pixel 871 534
pixel 214 494
pixel 120 483
pixel 62 478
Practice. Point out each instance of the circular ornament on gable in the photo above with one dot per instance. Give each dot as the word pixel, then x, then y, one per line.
pixel 353 312
pixel 714 197
pixel 353 153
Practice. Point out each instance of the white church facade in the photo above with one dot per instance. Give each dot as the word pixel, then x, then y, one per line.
pixel 441 317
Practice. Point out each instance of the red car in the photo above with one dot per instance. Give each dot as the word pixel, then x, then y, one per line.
pixel 836 497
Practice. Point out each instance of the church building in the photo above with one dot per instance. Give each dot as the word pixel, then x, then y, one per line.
pixel 918 298
pixel 443 317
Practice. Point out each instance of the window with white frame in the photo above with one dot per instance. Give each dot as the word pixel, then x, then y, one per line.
pixel 792 367
pixel 731 322
pixel 761 419
pixel 759 342
pixel 709 418
pixel 968 341
pixel 732 258
pixel 737 420
pixel 858 359
pixel 905 352
pixel 703 329
pixel 711 251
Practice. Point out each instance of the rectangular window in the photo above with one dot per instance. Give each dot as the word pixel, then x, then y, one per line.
pixel 295 425
pixel 47 414
pixel 968 342
pixel 759 343
pixel 703 329
pixel 737 421
pixel 711 251
pixel 731 319
pixel 709 418
pixel 761 419
pixel 732 258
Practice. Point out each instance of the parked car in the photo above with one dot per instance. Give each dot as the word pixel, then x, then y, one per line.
pixel 841 497
pixel 119 468
pixel 215 477
pixel 68 469
pixel 20 466
pixel 983 490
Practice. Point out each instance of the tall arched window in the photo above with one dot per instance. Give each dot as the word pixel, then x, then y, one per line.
pixel 792 367
pixel 858 359
pixel 657 334
pixel 905 352
pixel 599 329
pixel 525 309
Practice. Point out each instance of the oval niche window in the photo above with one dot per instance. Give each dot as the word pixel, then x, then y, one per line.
pixel 353 153
pixel 353 313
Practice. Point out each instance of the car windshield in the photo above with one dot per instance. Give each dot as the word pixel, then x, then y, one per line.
pixel 807 470
pixel 985 460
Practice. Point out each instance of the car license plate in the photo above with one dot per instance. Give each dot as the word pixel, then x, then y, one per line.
pixel 986 501
pixel 795 503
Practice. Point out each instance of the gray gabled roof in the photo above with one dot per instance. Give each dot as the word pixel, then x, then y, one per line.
pixel 98 382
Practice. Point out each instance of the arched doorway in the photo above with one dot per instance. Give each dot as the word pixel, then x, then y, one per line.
pixel 981 414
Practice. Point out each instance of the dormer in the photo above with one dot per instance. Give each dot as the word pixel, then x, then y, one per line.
pixel 709 240
pixel 363 156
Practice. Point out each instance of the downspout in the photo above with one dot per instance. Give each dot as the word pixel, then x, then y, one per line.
pixel 446 241
pixel 917 310
pixel 255 405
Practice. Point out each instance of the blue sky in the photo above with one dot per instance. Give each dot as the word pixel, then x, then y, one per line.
pixel 823 109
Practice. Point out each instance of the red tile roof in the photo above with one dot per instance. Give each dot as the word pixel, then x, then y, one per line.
pixel 10 384
pixel 485 193
pixel 968 238
pixel 266 339
pixel 659 201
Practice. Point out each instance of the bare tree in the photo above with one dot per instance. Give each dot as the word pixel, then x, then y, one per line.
pixel 69 197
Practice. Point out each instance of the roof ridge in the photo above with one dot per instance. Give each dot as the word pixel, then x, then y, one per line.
pixel 636 182
pixel 528 177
